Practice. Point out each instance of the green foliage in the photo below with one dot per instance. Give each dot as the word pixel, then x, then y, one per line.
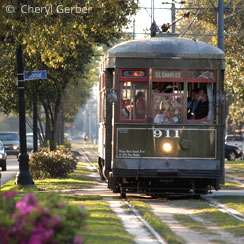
pixel 66 147
pixel 51 164
pixel 62 44
pixel 39 218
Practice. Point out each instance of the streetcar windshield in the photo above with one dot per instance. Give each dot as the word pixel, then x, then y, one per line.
pixel 168 108
pixel 172 102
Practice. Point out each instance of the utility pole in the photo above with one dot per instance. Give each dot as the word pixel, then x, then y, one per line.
pixel 134 29
pixel 35 114
pixel 24 176
pixel 173 15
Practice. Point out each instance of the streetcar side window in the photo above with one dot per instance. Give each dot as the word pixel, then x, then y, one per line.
pixel 134 101
pixel 201 96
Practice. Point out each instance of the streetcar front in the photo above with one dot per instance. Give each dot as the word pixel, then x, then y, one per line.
pixel 167 120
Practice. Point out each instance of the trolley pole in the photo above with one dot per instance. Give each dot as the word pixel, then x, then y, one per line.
pixel 173 16
pixel 221 9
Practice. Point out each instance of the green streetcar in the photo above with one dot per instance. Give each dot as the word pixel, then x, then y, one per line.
pixel 161 117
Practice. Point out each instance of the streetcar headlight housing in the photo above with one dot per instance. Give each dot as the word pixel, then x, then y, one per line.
pixel 15 147
pixel 167 146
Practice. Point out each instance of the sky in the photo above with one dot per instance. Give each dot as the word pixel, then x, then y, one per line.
pixel 143 16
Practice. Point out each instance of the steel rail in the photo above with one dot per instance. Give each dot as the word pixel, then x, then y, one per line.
pixel 158 237
pixel 135 212
pixel 88 160
pixel 221 207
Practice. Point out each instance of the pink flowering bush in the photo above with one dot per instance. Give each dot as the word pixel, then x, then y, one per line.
pixel 51 164
pixel 39 219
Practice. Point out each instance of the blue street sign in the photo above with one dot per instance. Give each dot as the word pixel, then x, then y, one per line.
pixel 35 75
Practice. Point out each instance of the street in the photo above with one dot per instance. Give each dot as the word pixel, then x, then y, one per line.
pixel 12 169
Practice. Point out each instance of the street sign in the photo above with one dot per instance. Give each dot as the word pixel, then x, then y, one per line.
pixel 35 75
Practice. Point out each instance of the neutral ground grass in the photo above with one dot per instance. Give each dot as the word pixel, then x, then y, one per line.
pixel 78 179
pixel 103 226
pixel 10 186
pixel 156 223
pixel 222 220
pixel 230 186
pixel 193 224
pixel 235 202
pixel 235 168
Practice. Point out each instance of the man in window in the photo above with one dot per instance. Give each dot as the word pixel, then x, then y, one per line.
pixel 140 105
pixel 192 104
pixel 201 111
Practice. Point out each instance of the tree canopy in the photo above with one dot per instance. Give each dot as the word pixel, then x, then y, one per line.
pixel 60 42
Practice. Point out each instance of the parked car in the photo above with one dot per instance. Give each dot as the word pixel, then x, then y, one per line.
pixel 10 142
pixel 29 141
pixel 235 140
pixel 232 152
pixel 3 157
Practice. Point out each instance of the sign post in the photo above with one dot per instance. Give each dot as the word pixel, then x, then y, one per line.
pixel 35 75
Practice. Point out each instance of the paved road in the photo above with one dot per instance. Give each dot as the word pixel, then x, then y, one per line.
pixel 12 169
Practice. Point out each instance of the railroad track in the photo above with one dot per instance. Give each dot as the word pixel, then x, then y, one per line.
pixel 133 217
pixel 142 222
pixel 223 208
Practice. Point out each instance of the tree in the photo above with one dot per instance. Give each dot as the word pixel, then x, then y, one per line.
pixel 57 42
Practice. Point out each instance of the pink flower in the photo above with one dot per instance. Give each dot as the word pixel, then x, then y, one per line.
pixel 36 239
pixel 38 209
pixel 82 206
pixel 78 240
pixel 23 207
pixel 61 204
pixel 8 194
pixel 30 198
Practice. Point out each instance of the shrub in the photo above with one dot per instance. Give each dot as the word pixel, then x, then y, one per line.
pixel 54 164
pixel 39 219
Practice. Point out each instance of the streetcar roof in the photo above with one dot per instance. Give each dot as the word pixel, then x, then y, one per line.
pixel 165 47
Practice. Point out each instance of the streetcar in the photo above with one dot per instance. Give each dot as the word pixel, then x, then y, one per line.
pixel 149 141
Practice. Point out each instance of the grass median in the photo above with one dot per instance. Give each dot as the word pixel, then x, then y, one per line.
pixel 80 178
pixel 163 229
pixel 210 214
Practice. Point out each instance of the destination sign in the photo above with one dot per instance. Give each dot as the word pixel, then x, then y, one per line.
pixel 202 75
pixel 168 75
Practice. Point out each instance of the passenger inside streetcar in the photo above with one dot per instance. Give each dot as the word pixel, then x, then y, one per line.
pixel 201 111
pixel 192 104
pixel 124 113
pixel 140 105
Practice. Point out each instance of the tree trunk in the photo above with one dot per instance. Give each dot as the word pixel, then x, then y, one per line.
pixel 61 125
pixel 47 137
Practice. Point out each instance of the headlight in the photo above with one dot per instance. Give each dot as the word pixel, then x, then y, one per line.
pixel 167 146
pixel 15 147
